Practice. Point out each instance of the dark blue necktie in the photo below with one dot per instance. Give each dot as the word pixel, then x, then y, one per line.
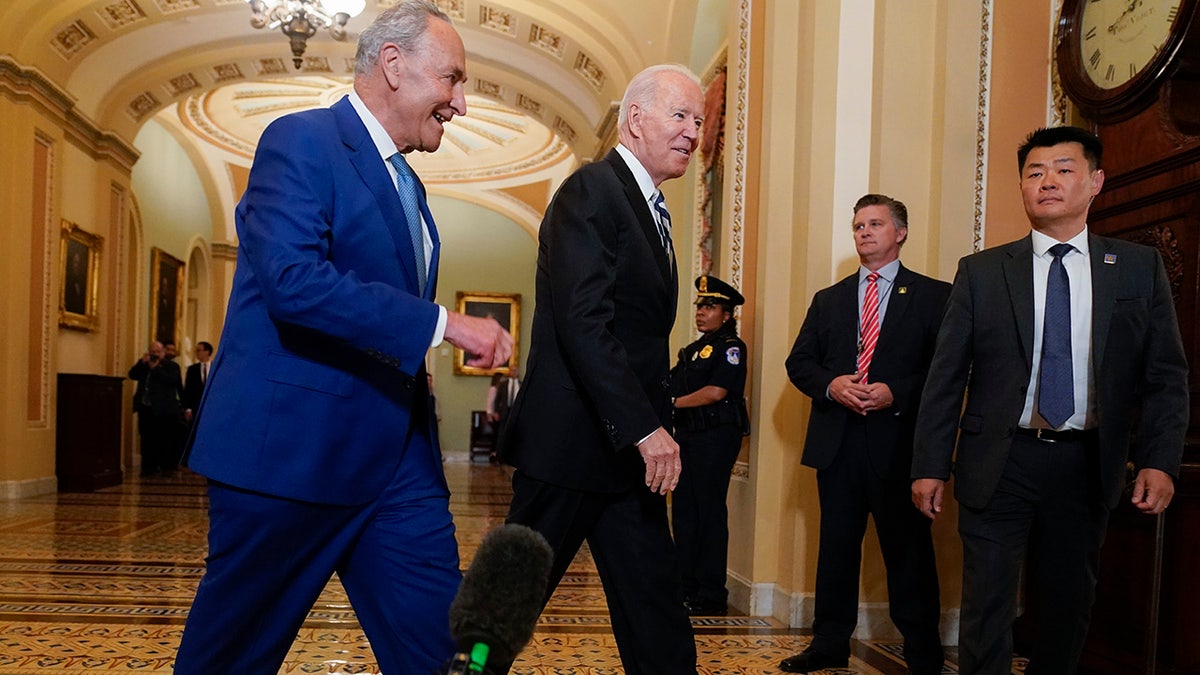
pixel 410 195
pixel 663 221
pixel 1056 381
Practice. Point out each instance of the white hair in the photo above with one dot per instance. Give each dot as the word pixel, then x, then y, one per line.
pixel 644 86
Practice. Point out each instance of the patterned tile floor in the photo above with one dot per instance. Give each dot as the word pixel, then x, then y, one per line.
pixel 101 582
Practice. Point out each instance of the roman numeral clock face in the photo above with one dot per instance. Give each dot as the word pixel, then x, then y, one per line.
pixel 1118 38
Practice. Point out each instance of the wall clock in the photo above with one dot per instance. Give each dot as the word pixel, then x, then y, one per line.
pixel 1113 54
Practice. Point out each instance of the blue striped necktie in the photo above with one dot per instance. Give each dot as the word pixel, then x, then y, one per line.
pixel 410 198
pixel 1056 377
pixel 663 223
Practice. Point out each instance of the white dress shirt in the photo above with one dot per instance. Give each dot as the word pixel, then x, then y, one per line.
pixel 1079 274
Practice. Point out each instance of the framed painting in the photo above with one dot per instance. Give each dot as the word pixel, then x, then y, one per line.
pixel 80 278
pixel 505 308
pixel 166 296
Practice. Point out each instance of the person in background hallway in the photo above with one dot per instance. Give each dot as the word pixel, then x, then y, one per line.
pixel 587 433
pixel 862 355
pixel 501 394
pixel 193 381
pixel 317 432
pixel 156 402
pixel 708 393
pixel 1058 337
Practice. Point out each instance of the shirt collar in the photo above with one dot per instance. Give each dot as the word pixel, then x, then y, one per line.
pixel 1042 242
pixel 379 137
pixel 640 174
pixel 888 272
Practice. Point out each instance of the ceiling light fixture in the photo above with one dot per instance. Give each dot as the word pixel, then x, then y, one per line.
pixel 301 19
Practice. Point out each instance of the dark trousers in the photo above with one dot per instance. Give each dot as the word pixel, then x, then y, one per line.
pixel 699 515
pixel 1048 496
pixel 269 558
pixel 630 541
pixel 160 441
pixel 850 490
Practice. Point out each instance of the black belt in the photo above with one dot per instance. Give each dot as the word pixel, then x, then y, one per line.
pixel 1064 436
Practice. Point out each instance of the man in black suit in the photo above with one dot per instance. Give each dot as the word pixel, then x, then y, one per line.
pixel 156 403
pixel 194 379
pixel 1059 337
pixel 862 355
pixel 586 432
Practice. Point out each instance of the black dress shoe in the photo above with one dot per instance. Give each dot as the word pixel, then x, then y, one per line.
pixel 810 660
pixel 701 608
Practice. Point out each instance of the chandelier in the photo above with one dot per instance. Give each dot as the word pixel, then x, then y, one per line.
pixel 301 19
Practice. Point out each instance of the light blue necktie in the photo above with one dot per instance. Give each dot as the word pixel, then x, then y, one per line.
pixel 1056 377
pixel 410 198
pixel 663 221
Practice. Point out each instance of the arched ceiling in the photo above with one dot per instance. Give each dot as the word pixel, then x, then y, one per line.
pixel 563 63
pixel 544 78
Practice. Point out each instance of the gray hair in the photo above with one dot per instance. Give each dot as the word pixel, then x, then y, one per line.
pixel 644 86
pixel 403 24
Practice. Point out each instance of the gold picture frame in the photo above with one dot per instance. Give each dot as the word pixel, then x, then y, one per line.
pixel 166 296
pixel 80 269
pixel 505 308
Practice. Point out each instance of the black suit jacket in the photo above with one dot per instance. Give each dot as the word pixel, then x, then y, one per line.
pixel 986 345
pixel 596 380
pixel 193 388
pixel 827 347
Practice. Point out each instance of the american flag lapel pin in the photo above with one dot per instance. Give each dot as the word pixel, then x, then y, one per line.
pixel 1110 258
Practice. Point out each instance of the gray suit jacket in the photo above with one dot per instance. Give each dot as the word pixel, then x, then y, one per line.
pixel 986 346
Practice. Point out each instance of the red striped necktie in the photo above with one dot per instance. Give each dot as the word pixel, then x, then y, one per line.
pixel 869 329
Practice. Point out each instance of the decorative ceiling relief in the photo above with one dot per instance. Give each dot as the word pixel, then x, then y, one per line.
pixel 547 41
pixel 589 70
pixel 121 14
pixel 72 39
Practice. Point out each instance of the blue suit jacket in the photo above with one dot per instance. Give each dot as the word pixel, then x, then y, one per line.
pixel 319 386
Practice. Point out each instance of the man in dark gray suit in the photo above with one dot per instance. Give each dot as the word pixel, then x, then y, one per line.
pixel 1058 337
pixel 586 432
pixel 862 355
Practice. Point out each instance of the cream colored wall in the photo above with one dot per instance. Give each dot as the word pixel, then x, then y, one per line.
pixel 1020 103
pixel 88 187
pixel 855 96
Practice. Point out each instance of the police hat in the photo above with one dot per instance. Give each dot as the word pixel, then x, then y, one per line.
pixel 713 291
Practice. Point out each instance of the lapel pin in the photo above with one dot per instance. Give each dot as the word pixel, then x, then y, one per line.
pixel 1110 258
pixel 902 290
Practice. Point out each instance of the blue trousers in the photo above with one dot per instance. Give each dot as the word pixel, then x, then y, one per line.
pixel 269 558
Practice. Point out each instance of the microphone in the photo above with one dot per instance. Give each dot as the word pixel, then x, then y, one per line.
pixel 494 614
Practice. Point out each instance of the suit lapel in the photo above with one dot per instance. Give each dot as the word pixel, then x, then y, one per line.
pixel 370 168
pixel 845 328
pixel 897 305
pixel 1105 279
pixel 645 219
pixel 1018 275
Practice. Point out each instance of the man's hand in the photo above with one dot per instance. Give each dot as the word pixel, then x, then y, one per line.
pixel 849 391
pixel 927 496
pixel 661 454
pixel 485 339
pixel 1153 490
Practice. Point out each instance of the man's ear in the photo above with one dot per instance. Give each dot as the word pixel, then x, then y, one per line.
pixel 1097 181
pixel 392 63
pixel 634 119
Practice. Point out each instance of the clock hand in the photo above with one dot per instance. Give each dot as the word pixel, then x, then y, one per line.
pixel 1133 4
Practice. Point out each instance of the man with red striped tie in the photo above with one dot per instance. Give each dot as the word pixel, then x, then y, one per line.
pixel 862 356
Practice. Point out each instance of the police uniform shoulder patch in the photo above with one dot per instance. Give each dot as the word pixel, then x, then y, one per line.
pixel 733 355
pixel 706 352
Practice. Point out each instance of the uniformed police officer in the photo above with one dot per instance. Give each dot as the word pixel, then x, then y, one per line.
pixel 707 387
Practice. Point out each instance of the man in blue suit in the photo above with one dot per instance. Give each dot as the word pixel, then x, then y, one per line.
pixel 316 430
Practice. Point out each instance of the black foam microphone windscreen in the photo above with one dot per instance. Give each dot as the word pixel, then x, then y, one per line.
pixel 502 592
